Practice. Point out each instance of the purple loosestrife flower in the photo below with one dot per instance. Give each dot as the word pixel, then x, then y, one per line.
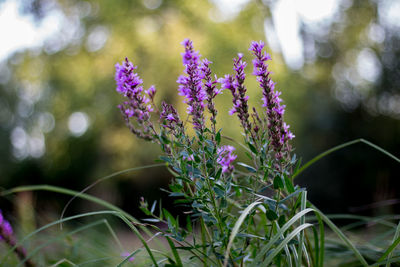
pixel 278 130
pixel 137 105
pixel 226 158
pixel 238 90
pixel 210 89
pixel 7 235
pixel 191 86
pixel 151 92
pixel 170 118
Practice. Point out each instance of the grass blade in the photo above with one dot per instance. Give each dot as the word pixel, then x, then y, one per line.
pixel 395 238
pixel 175 252
pixel 389 251
pixel 236 228
pixel 52 224
pixel 340 234
pixel 289 237
pixel 38 248
pixel 279 233
pixel 106 178
pixel 302 221
pixel 96 200
pixel 339 147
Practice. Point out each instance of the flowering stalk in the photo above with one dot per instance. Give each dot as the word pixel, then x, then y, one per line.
pixel 211 90
pixel 137 106
pixel 278 130
pixel 238 90
pixel 7 235
pixel 191 87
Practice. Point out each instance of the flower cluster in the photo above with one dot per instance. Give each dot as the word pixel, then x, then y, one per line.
pixel 190 85
pixel 199 89
pixel 278 130
pixel 211 89
pixel 137 105
pixel 226 158
pixel 203 166
pixel 238 90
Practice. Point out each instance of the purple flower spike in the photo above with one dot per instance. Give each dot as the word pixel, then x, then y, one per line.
pixel 210 88
pixel 191 86
pixel 226 158
pixel 278 130
pixel 136 107
pixel 127 80
pixel 238 90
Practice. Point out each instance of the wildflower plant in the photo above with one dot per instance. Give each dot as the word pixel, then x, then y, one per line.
pixel 213 192
pixel 235 214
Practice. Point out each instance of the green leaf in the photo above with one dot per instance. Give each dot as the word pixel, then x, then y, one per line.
pixel 164 139
pixel 220 193
pixel 278 183
pixel 189 224
pixel 289 184
pixel 218 174
pixel 171 220
pixel 249 168
pixel 165 159
pixel 281 220
pixel 223 203
pixel 176 194
pixel 271 215
pixel 252 148
pixel 218 137
pixel 293 194
pixel 153 206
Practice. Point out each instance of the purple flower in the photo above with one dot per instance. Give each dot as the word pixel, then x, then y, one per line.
pixel 6 231
pixel 188 158
pixel 170 118
pixel 127 80
pixel 238 90
pixel 151 92
pixel 226 158
pixel 191 85
pixel 126 254
pixel 278 130
pixel 189 56
pixel 137 105
pixel 210 88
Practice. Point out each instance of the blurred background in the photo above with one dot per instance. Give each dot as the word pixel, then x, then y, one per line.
pixel 335 61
